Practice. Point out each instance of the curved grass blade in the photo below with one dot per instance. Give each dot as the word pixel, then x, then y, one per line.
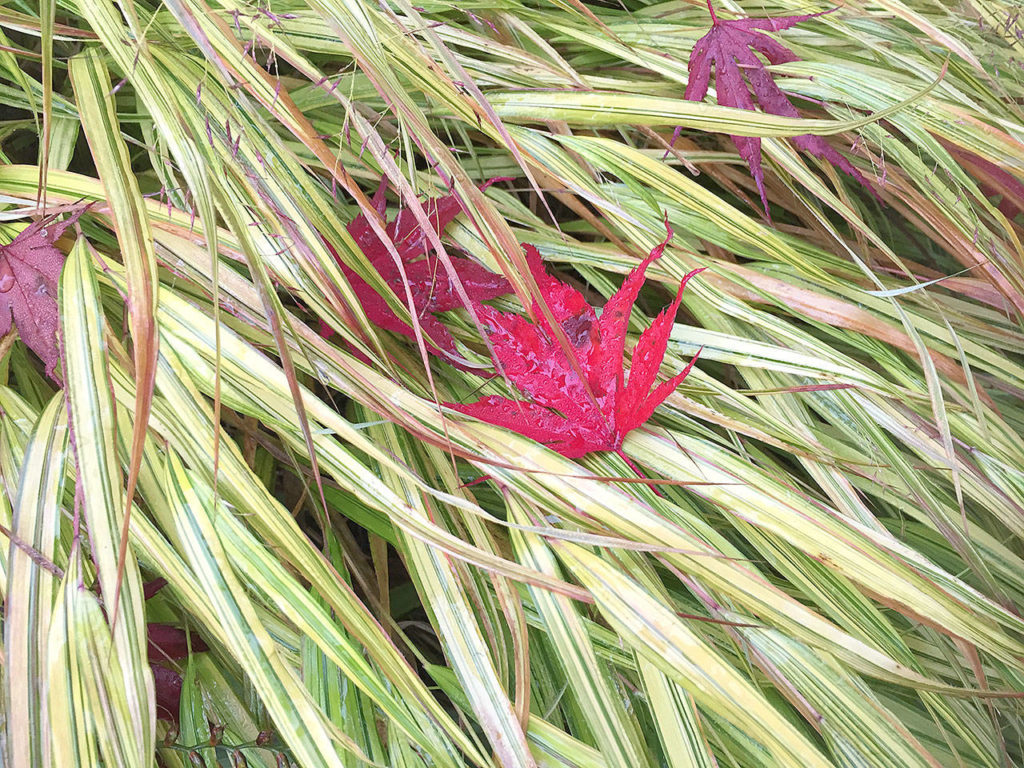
pixel 91 81
pixel 32 590
pixel 94 426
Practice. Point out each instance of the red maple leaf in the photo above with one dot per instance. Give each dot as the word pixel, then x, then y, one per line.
pixel 730 47
pixel 29 270
pixel 431 287
pixel 570 415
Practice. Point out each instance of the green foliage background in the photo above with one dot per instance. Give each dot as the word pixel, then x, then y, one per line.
pixel 832 571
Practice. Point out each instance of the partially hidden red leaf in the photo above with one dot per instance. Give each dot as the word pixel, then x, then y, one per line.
pixel 992 180
pixel 166 643
pixel 570 415
pixel 29 271
pixel 730 48
pixel 167 684
pixel 150 588
pixel 432 288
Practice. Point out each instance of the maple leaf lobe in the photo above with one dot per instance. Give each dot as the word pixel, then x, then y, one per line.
pixel 432 289
pixel 729 47
pixel 30 267
pixel 571 415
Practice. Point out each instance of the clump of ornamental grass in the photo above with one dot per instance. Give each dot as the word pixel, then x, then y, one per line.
pixel 228 366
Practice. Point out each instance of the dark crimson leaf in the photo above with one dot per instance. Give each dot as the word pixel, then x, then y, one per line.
pixel 29 271
pixel 150 588
pixel 730 48
pixel 570 415
pixel 167 683
pixel 167 643
pixel 431 287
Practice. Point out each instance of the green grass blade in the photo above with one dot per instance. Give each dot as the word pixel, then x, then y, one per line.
pixel 102 490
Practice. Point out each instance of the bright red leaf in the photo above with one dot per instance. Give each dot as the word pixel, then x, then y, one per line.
pixel 29 271
pixel 572 416
pixel 730 48
pixel 169 643
pixel 432 288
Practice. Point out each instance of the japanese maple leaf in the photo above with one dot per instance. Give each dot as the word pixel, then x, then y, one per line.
pixel 576 416
pixel 431 287
pixel 29 270
pixel 730 47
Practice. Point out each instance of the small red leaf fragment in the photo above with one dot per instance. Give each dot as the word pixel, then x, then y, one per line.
pixel 167 683
pixel 432 288
pixel 730 48
pixel 29 272
pixel 567 414
pixel 992 180
pixel 150 588
pixel 168 644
